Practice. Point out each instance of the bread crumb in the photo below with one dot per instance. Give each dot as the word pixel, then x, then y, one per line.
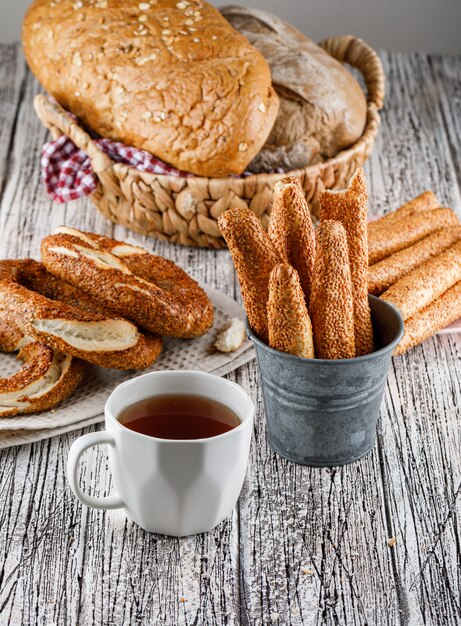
pixel 391 542
pixel 243 147
pixel 182 599
pixel 307 571
pixel 231 336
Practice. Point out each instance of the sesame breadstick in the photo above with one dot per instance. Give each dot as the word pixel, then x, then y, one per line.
pixel 388 237
pixel 438 314
pixel 350 208
pixel 424 202
pixel 385 273
pixel 290 328
pixel 332 306
pixel 291 230
pixel 254 258
pixel 414 291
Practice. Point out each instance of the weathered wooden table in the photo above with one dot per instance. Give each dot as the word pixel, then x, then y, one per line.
pixel 304 546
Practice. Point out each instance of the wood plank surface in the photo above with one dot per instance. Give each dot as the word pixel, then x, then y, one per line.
pixel 420 437
pixel 304 546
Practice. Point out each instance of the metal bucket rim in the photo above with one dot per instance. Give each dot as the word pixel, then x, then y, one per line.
pixel 335 362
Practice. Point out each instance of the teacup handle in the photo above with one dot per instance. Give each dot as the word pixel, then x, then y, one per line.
pixel 76 450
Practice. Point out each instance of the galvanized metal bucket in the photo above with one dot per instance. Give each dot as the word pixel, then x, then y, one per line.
pixel 324 413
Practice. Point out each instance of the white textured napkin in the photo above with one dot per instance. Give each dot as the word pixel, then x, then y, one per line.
pixel 86 405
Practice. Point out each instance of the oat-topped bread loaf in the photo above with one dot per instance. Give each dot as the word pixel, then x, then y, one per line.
pixel 168 76
pixel 322 107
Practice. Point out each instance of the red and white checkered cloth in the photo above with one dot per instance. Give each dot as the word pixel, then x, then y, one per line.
pixel 67 171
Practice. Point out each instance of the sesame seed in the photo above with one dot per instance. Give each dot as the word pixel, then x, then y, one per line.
pixel 78 5
pixel 198 18
pixel 262 107
pixel 144 6
pixel 189 22
pixel 78 59
pixel 196 39
pixel 147 115
pixel 143 18
pixel 166 32
pixel 88 56
pixel 181 5
pixel 243 147
pixel 144 60
pixel 77 93
pixel 50 34
pixel 165 18
pixel 214 38
pixel 119 90
pixel 192 30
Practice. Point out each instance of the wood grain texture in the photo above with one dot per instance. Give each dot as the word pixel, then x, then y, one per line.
pixel 305 546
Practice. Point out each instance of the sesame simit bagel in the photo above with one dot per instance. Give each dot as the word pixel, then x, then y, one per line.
pixel 145 288
pixel 106 340
pixel 46 377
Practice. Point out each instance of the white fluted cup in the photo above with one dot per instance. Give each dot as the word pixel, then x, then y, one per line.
pixel 172 487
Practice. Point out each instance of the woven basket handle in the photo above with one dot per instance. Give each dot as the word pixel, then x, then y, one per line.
pixel 61 123
pixel 355 52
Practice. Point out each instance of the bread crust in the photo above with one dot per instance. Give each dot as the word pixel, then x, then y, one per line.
pixel 417 289
pixel 350 207
pixel 391 235
pixel 43 319
pixel 332 306
pixel 388 271
pixel 173 78
pixel 291 230
pixel 254 257
pixel 322 107
pixel 29 389
pixel 440 313
pixel 290 328
pixel 426 201
pixel 145 288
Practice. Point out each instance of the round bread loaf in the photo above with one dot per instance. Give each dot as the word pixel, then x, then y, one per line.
pixel 322 107
pixel 168 76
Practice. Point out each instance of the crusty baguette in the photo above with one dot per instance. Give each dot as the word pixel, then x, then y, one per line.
pixel 331 306
pixel 290 328
pixel 350 207
pixel 417 289
pixel 291 230
pixel 254 258
pixel 170 77
pixel 391 236
pixel 438 314
pixel 388 271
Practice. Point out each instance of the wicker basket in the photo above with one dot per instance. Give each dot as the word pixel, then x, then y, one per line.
pixel 185 210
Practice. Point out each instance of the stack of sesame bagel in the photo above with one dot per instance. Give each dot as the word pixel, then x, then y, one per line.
pixel 92 299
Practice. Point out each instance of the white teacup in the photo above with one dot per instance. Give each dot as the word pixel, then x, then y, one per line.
pixel 173 487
